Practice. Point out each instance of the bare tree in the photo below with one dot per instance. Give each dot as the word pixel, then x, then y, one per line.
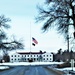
pixel 55 13
pixel 7 45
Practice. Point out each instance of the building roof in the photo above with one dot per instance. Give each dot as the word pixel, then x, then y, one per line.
pixel 30 52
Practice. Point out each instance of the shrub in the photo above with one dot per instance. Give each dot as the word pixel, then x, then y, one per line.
pixel 66 64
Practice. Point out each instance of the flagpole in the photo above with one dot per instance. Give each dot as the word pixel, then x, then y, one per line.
pixel 30 60
pixel 30 36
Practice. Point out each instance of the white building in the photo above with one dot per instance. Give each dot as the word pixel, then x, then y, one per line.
pixel 34 56
pixel 47 57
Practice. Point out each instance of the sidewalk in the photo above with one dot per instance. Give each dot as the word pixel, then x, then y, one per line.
pixel 56 71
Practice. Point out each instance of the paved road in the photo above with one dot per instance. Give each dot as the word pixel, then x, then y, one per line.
pixel 28 70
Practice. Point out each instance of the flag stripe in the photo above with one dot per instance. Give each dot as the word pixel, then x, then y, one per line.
pixel 34 40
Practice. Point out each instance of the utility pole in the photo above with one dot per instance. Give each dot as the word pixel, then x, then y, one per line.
pixel 73 15
pixel 73 18
pixel 68 42
pixel 74 34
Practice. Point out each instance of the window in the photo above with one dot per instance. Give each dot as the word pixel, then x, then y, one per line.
pixel 50 55
pixel 44 59
pixel 11 55
pixel 15 55
pixel 25 55
pixel 47 58
pixel 31 55
pixel 37 58
pixel 47 55
pixel 50 58
pixel 28 59
pixel 44 55
pixel 34 59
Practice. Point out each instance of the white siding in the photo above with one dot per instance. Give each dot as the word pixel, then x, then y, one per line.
pixel 46 57
pixel 15 57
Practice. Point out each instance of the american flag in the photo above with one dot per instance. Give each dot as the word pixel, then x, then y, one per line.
pixel 34 40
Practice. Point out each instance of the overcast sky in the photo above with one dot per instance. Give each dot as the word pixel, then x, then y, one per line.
pixel 22 14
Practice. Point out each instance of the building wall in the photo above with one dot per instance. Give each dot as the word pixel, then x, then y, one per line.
pixel 46 57
pixel 15 57
pixel 30 56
